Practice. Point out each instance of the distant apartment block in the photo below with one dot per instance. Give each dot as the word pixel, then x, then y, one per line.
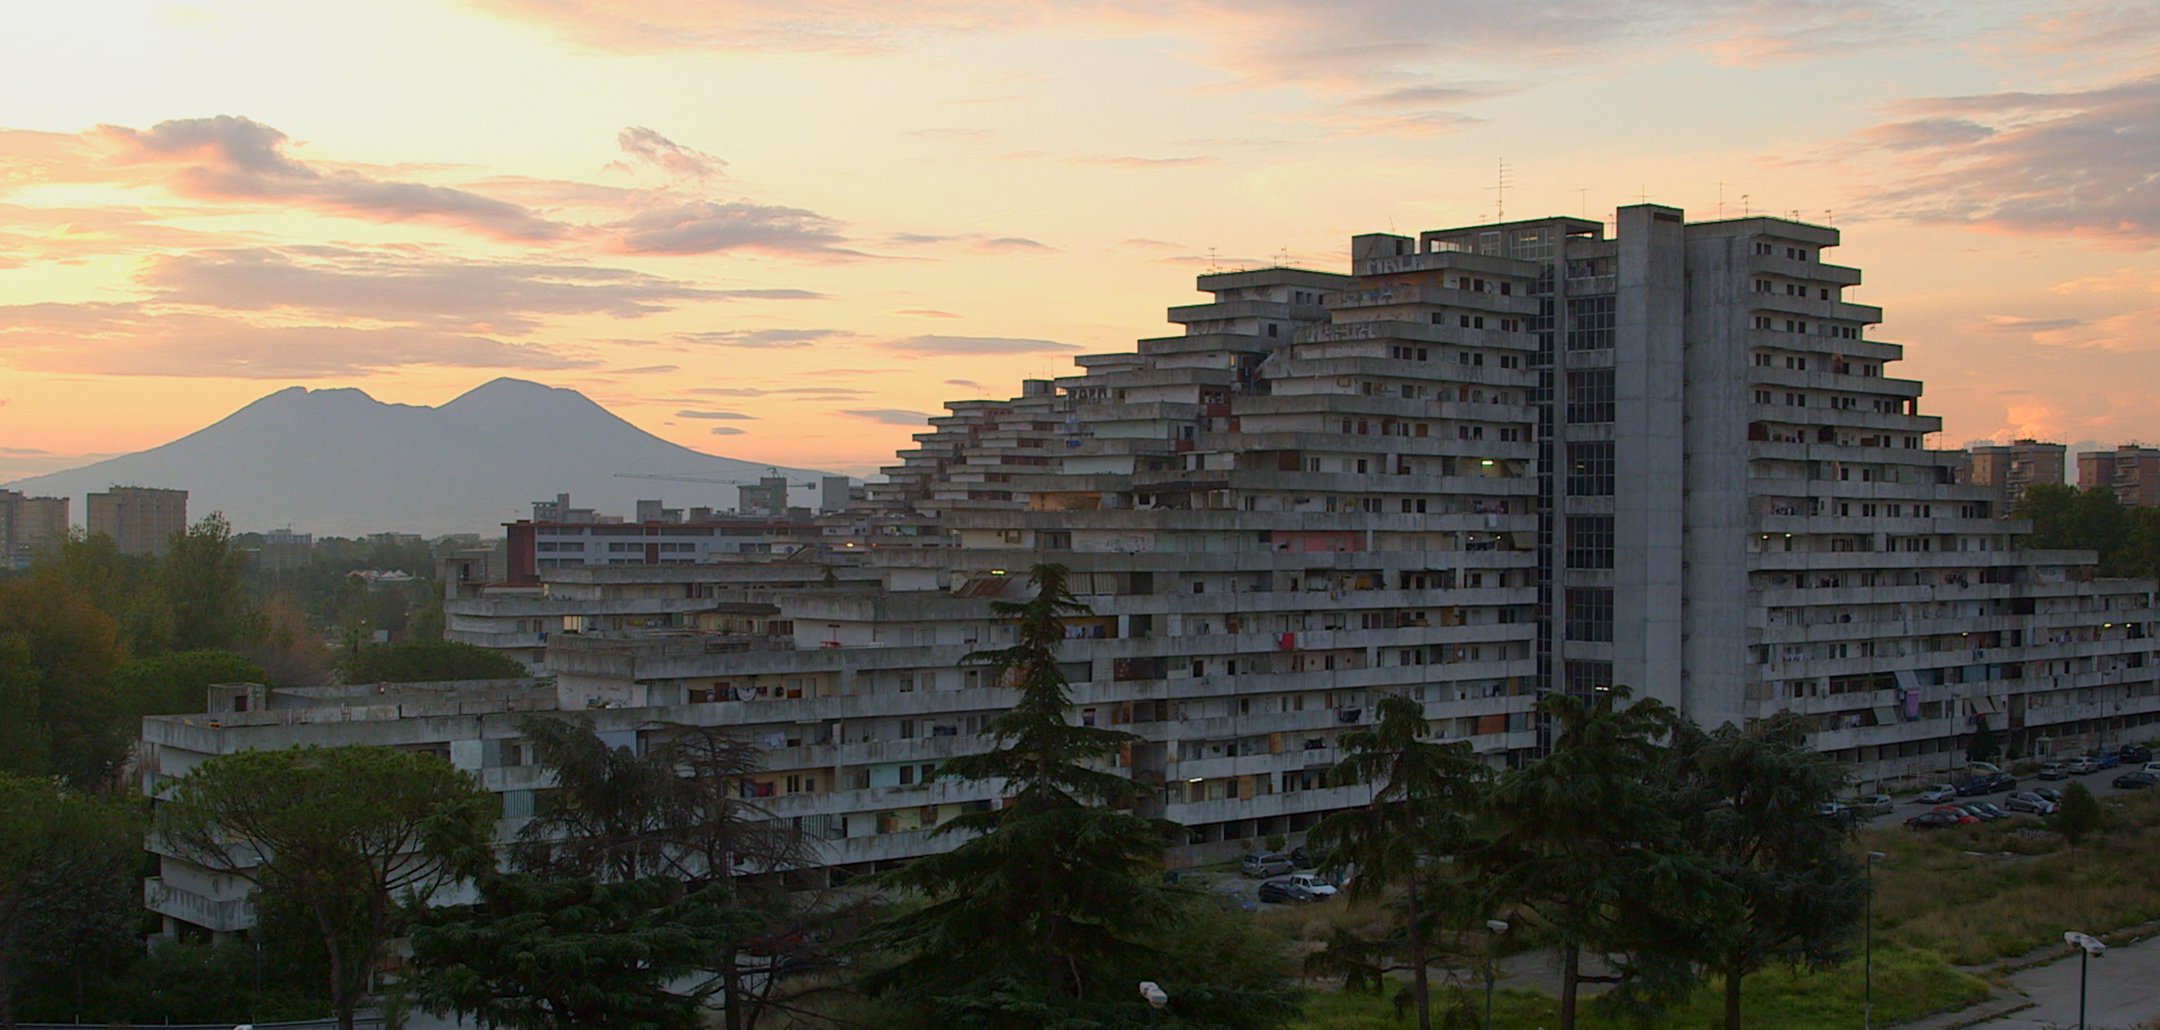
pixel 2008 469
pixel 559 536
pixel 140 520
pixel 30 528
pixel 2130 470
pixel 282 550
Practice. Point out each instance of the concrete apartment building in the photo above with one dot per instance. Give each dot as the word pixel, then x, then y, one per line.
pixel 30 528
pixel 140 520
pixel 1486 463
pixel 2010 468
pixel 721 597
pixel 559 536
pixel 2130 470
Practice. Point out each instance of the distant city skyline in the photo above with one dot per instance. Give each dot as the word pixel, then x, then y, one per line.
pixel 786 233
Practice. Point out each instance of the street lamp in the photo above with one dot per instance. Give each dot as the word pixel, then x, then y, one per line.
pixel 1494 928
pixel 1867 1004
pixel 2089 948
pixel 1153 994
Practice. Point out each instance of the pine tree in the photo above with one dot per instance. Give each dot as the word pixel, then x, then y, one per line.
pixel 1056 884
pixel 1425 804
pixel 1588 839
pixel 1786 887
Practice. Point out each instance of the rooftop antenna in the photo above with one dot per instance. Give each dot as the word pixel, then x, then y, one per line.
pixel 1747 210
pixel 1826 219
pixel 1642 193
pixel 1282 258
pixel 1211 266
pixel 1721 200
pixel 1582 197
pixel 1499 189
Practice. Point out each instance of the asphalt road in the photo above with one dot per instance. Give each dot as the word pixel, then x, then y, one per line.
pixel 2119 992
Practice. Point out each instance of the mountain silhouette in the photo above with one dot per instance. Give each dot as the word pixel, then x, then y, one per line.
pixel 339 462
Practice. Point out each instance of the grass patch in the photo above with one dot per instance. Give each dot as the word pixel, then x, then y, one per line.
pixel 1319 920
pixel 1908 984
pixel 1979 893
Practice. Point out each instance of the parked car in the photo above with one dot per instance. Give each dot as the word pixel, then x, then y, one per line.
pixel 1937 794
pixel 1979 811
pixel 1834 812
pixel 1974 787
pixel 2054 796
pixel 1283 891
pixel 2084 765
pixel 1935 821
pixel 2109 760
pixel 2135 754
pixel 2055 771
pixel 2028 801
pixel 1308 858
pixel 1262 866
pixel 2151 767
pixel 1959 813
pixel 2001 783
pixel 1868 806
pixel 2135 781
pixel 1991 808
pixel 1320 888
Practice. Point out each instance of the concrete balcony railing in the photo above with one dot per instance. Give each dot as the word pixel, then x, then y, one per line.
pixel 221 915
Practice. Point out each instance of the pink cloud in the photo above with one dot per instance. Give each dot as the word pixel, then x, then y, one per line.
pixel 233 158
pixel 130 340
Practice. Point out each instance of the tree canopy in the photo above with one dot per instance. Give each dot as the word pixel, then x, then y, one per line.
pixel 58 653
pixel 343 834
pixel 1589 840
pixel 68 901
pixel 570 952
pixel 1786 887
pixel 425 661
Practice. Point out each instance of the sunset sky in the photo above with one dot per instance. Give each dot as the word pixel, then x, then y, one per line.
pixel 786 230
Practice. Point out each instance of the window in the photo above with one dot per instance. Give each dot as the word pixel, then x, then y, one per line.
pixel 1590 323
pixel 1590 542
pixel 1587 677
pixel 1589 614
pixel 1589 395
pixel 1762 321
pixel 1590 468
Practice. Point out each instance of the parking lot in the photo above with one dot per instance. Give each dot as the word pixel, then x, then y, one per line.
pixel 2101 784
